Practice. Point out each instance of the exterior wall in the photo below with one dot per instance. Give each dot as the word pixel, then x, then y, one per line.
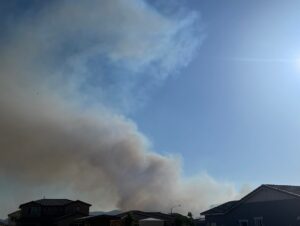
pixel 77 207
pixel 67 221
pixel 274 213
pixel 98 221
pixel 49 211
pixel 32 210
pixel 219 220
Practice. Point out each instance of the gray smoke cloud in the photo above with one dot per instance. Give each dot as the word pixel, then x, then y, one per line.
pixel 68 72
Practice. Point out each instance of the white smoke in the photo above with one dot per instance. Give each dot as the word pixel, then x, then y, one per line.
pixel 63 72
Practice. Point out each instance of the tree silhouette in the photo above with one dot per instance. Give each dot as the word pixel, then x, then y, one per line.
pixel 129 220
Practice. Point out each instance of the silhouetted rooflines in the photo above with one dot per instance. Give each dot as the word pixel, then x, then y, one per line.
pixel 228 206
pixel 81 219
pixel 53 202
pixel 138 215
pixel 220 209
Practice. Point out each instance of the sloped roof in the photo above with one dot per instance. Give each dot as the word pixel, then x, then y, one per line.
pixel 224 208
pixel 53 202
pixel 290 189
pixel 15 213
pixel 139 215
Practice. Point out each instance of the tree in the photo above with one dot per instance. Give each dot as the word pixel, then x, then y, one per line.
pixel 190 220
pixel 129 220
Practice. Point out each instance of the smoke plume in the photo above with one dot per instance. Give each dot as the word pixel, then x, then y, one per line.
pixel 70 70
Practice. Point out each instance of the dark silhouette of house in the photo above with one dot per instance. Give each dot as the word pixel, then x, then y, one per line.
pixel 103 220
pixel 3 222
pixel 120 219
pixel 49 212
pixel 268 205
pixel 14 217
pixel 168 219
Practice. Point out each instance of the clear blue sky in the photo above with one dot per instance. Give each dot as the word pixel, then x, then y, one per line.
pixel 234 111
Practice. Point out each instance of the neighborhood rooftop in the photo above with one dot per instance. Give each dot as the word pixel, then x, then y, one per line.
pixel 223 208
pixel 52 202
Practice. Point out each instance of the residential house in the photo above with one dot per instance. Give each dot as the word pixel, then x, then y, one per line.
pixel 268 205
pixel 167 219
pixel 3 222
pixel 140 218
pixel 103 220
pixel 49 212
pixel 14 217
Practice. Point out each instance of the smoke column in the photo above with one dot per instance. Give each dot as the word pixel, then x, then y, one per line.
pixel 70 72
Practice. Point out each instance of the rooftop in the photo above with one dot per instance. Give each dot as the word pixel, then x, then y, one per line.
pixel 223 208
pixel 53 202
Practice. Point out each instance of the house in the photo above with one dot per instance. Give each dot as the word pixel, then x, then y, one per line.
pixel 268 205
pixel 199 221
pixel 3 223
pixel 151 222
pixel 49 212
pixel 14 217
pixel 167 219
pixel 103 220
pixel 140 218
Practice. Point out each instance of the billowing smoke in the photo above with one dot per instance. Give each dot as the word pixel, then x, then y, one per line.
pixel 70 70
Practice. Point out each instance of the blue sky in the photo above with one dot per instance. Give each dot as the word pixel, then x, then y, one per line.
pixel 235 118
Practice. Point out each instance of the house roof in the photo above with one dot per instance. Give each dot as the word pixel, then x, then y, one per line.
pixel 15 213
pixel 139 215
pixel 71 216
pixel 289 189
pixel 220 209
pixel 104 216
pixel 226 207
pixel 53 202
